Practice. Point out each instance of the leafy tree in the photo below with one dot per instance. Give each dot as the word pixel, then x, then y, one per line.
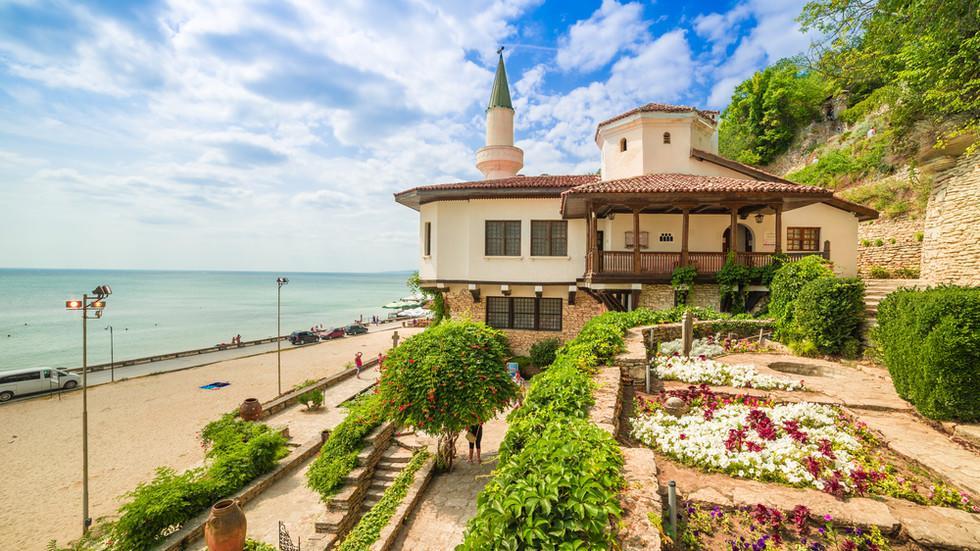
pixel 438 301
pixel 445 379
pixel 922 57
pixel 766 111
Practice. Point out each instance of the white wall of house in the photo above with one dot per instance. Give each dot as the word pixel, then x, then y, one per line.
pixel 837 226
pixel 646 151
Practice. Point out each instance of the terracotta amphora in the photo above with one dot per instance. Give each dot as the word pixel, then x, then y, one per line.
pixel 225 528
pixel 250 410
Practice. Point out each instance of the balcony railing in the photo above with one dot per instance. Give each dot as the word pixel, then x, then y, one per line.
pixel 664 263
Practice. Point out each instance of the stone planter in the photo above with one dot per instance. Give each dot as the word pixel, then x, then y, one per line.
pixel 225 528
pixel 250 410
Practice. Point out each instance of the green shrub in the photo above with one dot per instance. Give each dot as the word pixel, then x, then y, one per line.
pixel 907 273
pixel 786 284
pixel 805 348
pixel 368 528
pixel 930 342
pixel 313 398
pixel 878 272
pixel 879 242
pixel 237 452
pixel 828 312
pixel 919 236
pixel 732 281
pixel 543 352
pixel 339 453
pixel 255 545
pixel 865 242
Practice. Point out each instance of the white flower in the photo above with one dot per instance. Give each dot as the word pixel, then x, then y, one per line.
pixel 702 370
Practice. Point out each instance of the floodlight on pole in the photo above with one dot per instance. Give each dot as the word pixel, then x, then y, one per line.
pixel 280 281
pixel 91 308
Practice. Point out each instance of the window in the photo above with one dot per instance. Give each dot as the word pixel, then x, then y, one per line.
pixel 29 376
pixel 666 137
pixel 666 238
pixel 549 237
pixel 540 314
pixel 503 238
pixel 428 239
pixel 644 240
pixel 622 144
pixel 802 239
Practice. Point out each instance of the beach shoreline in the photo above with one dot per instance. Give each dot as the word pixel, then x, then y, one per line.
pixel 135 426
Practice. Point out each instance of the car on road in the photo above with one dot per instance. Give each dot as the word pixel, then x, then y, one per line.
pixel 303 337
pixel 19 382
pixel 356 329
pixel 335 333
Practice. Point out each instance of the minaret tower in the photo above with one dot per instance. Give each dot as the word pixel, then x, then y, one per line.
pixel 499 158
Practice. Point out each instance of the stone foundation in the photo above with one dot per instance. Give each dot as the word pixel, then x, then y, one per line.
pixel 899 247
pixel 460 304
pixel 661 296
pixel 951 245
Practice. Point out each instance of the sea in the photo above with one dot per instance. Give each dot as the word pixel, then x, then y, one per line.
pixel 158 312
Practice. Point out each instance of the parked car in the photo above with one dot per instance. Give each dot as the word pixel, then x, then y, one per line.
pixel 303 337
pixel 356 329
pixel 334 333
pixel 19 382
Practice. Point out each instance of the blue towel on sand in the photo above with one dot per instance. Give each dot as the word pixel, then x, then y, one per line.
pixel 215 385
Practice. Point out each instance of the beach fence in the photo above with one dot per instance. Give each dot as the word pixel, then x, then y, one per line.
pixel 174 355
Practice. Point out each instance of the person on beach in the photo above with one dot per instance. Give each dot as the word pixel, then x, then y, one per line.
pixel 358 364
pixel 474 436
pixel 238 339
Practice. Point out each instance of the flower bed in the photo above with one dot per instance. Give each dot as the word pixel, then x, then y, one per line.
pixel 800 444
pixel 710 347
pixel 700 370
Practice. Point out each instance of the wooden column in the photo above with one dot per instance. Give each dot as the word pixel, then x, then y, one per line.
pixel 636 241
pixel 685 231
pixel 733 230
pixel 589 239
pixel 779 228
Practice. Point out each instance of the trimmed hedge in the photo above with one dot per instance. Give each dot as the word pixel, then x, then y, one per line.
pixel 338 456
pixel 787 283
pixel 558 477
pixel 930 341
pixel 828 312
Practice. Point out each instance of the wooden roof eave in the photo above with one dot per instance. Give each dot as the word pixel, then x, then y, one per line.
pixel 573 205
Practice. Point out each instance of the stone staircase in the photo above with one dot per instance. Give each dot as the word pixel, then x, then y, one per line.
pixel 875 290
pixel 389 466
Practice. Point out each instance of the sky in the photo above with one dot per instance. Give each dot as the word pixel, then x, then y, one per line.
pixel 271 135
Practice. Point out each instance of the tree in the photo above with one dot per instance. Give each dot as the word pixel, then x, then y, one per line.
pixel 438 301
pixel 445 379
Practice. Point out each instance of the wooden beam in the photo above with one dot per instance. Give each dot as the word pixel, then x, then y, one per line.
pixel 589 240
pixel 684 235
pixel 636 241
pixel 779 228
pixel 733 230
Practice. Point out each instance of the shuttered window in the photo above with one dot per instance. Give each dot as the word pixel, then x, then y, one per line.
pixel 503 238
pixel 549 238
pixel 540 314
pixel 802 239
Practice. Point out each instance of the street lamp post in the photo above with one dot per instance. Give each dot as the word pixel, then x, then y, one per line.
pixel 93 306
pixel 280 281
pixel 112 356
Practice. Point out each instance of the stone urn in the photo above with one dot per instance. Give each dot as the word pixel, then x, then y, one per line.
pixel 675 406
pixel 250 410
pixel 225 527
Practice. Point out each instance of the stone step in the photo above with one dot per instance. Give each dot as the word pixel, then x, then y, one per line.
pixel 396 467
pixel 386 476
pixel 329 522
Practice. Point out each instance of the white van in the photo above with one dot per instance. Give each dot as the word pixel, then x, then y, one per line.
pixel 19 382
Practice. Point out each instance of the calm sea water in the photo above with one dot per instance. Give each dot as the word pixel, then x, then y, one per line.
pixel 155 312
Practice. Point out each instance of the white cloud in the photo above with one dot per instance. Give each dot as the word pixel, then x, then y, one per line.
pixel 594 42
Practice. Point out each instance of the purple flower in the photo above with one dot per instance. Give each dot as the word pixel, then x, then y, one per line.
pixel 828 518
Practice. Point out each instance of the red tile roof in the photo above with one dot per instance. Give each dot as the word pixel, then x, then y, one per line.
pixel 690 183
pixel 516 182
pixel 659 108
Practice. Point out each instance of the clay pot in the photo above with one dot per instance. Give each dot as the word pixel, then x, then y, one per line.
pixel 225 528
pixel 250 410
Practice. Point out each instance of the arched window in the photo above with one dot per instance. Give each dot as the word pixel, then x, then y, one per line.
pixel 666 137
pixel 622 144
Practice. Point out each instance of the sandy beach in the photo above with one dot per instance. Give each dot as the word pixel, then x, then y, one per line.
pixel 135 426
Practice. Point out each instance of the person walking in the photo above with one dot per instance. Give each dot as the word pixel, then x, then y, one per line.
pixel 474 436
pixel 358 364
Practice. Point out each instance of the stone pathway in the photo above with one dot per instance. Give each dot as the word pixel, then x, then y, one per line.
pixel 289 499
pixel 450 500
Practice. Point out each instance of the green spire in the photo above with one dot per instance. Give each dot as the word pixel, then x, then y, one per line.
pixel 500 94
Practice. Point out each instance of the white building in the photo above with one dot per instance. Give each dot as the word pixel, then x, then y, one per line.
pixel 542 254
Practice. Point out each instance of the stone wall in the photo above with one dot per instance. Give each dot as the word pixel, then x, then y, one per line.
pixel 951 247
pixel 899 247
pixel 573 317
pixel 661 296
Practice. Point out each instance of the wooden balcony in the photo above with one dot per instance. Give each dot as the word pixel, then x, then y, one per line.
pixel 620 266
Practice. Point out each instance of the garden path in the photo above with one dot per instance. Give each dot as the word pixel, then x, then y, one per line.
pixel 289 499
pixel 450 500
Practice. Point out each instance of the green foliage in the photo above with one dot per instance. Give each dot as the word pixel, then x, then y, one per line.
pixel 930 341
pixel 767 110
pixel 786 284
pixel 543 352
pixel 922 58
pixel 313 398
pixel 447 378
pixel 683 276
pixel 237 452
pixel 438 306
pixel 918 236
pixel 828 313
pixel 733 279
pixel 368 529
pixel 893 197
pixel 559 492
pixel 255 545
pixel 339 453
pixel 839 167
pixel 906 273
pixel 764 274
pixel 878 272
